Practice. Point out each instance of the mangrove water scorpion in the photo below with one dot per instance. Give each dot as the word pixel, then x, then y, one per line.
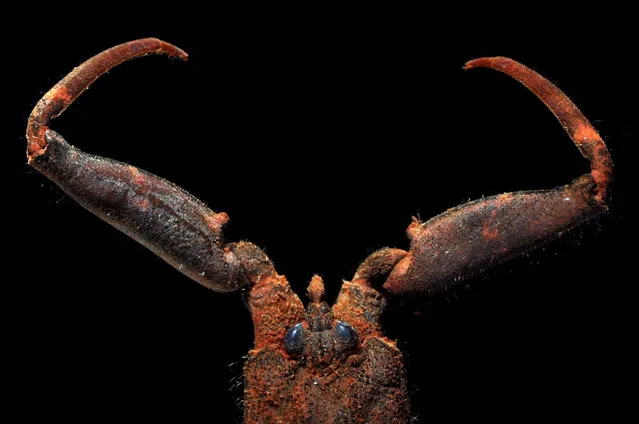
pixel 318 364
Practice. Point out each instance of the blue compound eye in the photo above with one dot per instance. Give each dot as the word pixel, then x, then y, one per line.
pixel 345 335
pixel 295 340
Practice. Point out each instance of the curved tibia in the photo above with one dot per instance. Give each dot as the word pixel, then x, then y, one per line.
pixel 70 87
pixel 580 130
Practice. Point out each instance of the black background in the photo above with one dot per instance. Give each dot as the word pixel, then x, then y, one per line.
pixel 320 138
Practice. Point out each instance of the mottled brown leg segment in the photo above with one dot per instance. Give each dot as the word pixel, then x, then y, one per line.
pixel 158 214
pixel 474 236
pixel 161 216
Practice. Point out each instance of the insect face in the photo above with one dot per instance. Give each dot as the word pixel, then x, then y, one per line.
pixel 320 340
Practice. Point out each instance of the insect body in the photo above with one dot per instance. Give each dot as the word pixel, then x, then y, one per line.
pixel 317 364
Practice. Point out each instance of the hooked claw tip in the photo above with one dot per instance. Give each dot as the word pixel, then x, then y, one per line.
pixel 485 62
pixel 170 49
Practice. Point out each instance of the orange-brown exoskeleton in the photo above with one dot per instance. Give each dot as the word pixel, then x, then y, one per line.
pixel 319 363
